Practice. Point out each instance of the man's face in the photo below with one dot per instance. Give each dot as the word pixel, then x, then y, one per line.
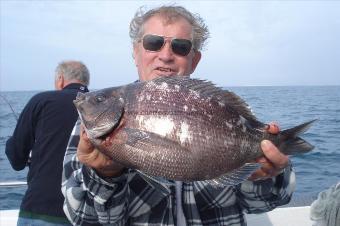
pixel 152 64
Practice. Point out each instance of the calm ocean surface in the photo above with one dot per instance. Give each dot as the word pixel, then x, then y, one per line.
pixel 289 106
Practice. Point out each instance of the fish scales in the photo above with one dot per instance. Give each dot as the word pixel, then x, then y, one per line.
pixel 177 128
pixel 193 109
pixel 148 110
pixel 198 122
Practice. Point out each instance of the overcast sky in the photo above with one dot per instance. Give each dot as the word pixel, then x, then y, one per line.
pixel 252 42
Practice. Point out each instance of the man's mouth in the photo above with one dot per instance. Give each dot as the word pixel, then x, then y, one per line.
pixel 166 70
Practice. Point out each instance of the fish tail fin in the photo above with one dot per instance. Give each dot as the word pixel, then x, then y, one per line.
pixel 290 143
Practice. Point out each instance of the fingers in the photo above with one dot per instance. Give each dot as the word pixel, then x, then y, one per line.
pixel 92 157
pixel 83 134
pixel 273 128
pixel 104 165
pixel 111 169
pixel 84 145
pixel 266 170
pixel 98 160
pixel 273 162
pixel 273 154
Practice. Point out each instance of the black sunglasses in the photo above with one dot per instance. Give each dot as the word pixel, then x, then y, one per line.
pixel 155 43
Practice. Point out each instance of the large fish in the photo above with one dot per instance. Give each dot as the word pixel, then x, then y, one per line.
pixel 181 129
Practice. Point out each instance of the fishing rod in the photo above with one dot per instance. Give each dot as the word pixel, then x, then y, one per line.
pixel 16 117
pixel 11 183
pixel 9 104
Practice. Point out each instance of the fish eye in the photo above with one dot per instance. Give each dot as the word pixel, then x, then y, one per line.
pixel 100 98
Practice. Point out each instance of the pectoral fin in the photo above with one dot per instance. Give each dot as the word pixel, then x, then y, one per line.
pixel 236 176
pixel 151 154
pixel 149 141
pixel 159 183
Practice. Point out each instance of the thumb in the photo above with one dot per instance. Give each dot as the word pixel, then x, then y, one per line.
pixel 84 145
pixel 273 154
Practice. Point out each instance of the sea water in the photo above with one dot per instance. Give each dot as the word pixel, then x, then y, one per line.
pixel 289 106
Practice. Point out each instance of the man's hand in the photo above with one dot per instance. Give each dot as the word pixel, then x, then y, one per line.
pixel 92 157
pixel 273 161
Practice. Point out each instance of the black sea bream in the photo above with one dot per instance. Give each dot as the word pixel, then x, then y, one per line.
pixel 181 129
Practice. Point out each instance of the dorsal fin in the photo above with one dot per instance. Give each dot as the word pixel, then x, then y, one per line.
pixel 240 106
pixel 208 89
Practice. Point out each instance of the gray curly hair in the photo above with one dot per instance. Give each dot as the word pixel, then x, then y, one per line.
pixel 170 14
pixel 73 70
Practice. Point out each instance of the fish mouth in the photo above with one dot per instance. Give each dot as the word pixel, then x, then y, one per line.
pixel 103 130
pixel 79 98
pixel 94 129
pixel 99 121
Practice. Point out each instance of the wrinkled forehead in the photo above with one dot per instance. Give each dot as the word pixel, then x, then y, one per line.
pixel 161 24
pixel 170 17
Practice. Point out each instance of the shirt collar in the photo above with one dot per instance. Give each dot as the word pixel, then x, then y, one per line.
pixel 77 86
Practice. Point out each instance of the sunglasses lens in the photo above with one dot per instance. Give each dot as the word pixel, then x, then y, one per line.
pixel 181 46
pixel 153 42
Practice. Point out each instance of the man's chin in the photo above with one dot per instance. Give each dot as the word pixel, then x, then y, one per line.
pixel 166 74
pixel 158 75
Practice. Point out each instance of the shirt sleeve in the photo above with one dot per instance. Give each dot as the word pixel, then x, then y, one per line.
pixel 88 198
pixel 19 145
pixel 264 195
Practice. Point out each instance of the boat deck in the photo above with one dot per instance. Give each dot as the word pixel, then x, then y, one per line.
pixel 292 216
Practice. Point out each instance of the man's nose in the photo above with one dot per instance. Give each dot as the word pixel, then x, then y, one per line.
pixel 166 54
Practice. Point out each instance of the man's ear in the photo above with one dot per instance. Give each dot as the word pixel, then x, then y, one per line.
pixel 59 84
pixel 195 60
pixel 135 54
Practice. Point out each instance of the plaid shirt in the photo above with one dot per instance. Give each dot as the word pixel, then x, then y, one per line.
pixel 130 200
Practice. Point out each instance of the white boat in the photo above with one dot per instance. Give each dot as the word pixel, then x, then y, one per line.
pixel 9 217
pixel 282 216
pixel 285 216
pixel 292 216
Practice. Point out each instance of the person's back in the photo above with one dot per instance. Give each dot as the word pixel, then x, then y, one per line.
pixel 43 129
pixel 54 117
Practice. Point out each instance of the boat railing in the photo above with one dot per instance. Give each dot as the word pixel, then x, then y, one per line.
pixel 12 183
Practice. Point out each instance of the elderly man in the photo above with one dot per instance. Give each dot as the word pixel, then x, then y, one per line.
pixel 43 129
pixel 166 42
